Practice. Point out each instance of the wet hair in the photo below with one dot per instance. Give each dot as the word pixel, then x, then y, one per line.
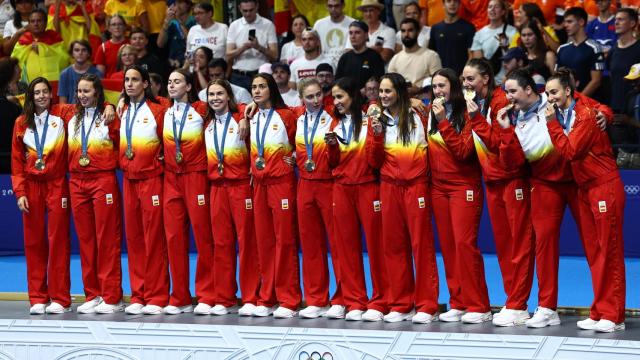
pixel 484 69
pixel 192 95
pixel 233 106
pixel 456 99
pixel 274 94
pixel 97 86
pixel 405 115
pixel 29 102
pixel 352 89
pixel 144 74
pixel 565 77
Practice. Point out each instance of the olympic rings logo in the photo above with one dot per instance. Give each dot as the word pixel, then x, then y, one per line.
pixel 315 356
pixel 632 189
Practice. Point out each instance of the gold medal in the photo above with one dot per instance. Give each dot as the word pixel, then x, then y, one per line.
pixel 310 165
pixel 179 157
pixel 39 164
pixel 261 163
pixel 84 160
pixel 129 154
pixel 220 169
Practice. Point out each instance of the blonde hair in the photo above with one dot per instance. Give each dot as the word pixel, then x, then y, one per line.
pixel 121 50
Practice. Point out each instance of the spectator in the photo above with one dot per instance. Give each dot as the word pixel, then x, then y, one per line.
pixel 80 51
pixel 127 55
pixel 381 37
pixel 514 59
pixel 201 59
pixel 175 28
pixel 414 63
pixel 72 21
pixel 532 12
pixel 334 31
pixel 547 9
pixel 363 62
pixel 452 37
pixel 251 42
pixel 475 12
pixel 15 28
pixel 324 74
pixel 40 52
pixel 629 119
pixel 372 89
pixel 6 13
pixel 218 71
pixel 9 108
pixel 305 66
pixel 412 11
pixel 603 28
pixel 132 11
pixel 492 41
pixel 398 12
pixel 582 55
pixel 542 59
pixel 148 60
pixel 281 74
pixel 158 87
pixel 106 57
pixel 293 50
pixel 207 32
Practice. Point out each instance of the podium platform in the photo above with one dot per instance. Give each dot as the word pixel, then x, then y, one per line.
pixel 191 337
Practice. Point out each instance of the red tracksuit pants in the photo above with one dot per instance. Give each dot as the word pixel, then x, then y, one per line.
pixel 510 201
pixel 47 245
pixel 406 231
pixel 548 201
pixel 186 200
pixel 146 246
pixel 231 218
pixel 95 202
pixel 457 207
pixel 315 224
pixel 603 205
pixel 275 220
pixel 355 206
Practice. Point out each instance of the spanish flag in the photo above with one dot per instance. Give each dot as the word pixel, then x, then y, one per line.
pixel 112 90
pixel 312 9
pixel 73 25
pixel 51 57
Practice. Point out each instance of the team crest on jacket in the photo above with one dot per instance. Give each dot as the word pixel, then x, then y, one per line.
pixel 64 203
pixel 145 120
pixel 376 206
pixel 248 204
pixel 519 194
pixel 155 200
pixel 323 120
pixel 200 199
pixel 275 127
pixel 109 199
pixel 421 203
pixel 469 195
pixel 602 206
pixel 285 204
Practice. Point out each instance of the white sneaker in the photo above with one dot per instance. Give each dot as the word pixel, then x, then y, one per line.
pixel 104 308
pixel 223 310
pixel 152 309
pixel 312 312
pixel 247 309
pixel 262 311
pixel 284 313
pixel 89 306
pixel 55 308
pixel 134 309
pixel 543 317
pixel 175 310
pixel 37 309
pixel 354 315
pixel 587 324
pixel 335 312
pixel 423 318
pixel 608 326
pixel 202 309
pixel 395 316
pixel 372 315
pixel 510 317
pixel 453 315
pixel 476 317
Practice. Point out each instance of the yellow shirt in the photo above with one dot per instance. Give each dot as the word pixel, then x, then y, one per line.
pixel 548 29
pixel 156 11
pixel 130 10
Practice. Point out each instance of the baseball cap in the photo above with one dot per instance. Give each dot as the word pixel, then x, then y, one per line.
pixel 280 65
pixel 360 24
pixel 634 72
pixel 426 83
pixel 514 53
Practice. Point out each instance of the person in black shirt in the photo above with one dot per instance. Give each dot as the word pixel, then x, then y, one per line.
pixel 452 38
pixel 10 110
pixel 148 60
pixel 363 62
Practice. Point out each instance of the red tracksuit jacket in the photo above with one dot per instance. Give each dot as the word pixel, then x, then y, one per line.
pixel 279 142
pixel 192 143
pixel 349 162
pixel 236 150
pixel 326 123
pixel 102 144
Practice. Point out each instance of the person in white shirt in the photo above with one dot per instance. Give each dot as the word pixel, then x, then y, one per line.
pixel 334 31
pixel 218 71
pixel 293 50
pixel 492 41
pixel 17 26
pixel 281 74
pixel 382 38
pixel 251 42
pixel 412 11
pixel 207 32
pixel 306 66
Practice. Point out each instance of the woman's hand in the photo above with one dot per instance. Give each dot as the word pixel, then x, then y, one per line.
pixel 550 112
pixel 289 160
pixel 23 204
pixel 243 128
pixel 502 118
pixel 438 110
pixel 472 108
pixel 109 114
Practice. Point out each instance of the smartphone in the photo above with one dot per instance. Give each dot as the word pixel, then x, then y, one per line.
pixel 379 41
pixel 252 34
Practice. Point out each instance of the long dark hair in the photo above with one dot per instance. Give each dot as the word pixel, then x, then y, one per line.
pixel 8 67
pixel 405 115
pixel 97 86
pixel 233 106
pixel 484 69
pixel 29 101
pixel 533 11
pixel 192 95
pixel 539 51
pixel 274 94
pixel 17 18
pixel 456 99
pixel 148 94
pixel 349 86
pixel 290 36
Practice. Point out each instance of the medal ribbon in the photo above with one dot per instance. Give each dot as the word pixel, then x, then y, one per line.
pixel 177 137
pixel 565 122
pixel 260 140
pixel 344 131
pixel 220 149
pixel 129 123
pixel 40 141
pixel 308 144
pixel 84 137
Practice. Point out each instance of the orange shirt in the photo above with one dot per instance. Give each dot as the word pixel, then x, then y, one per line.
pixel 548 7
pixel 475 12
